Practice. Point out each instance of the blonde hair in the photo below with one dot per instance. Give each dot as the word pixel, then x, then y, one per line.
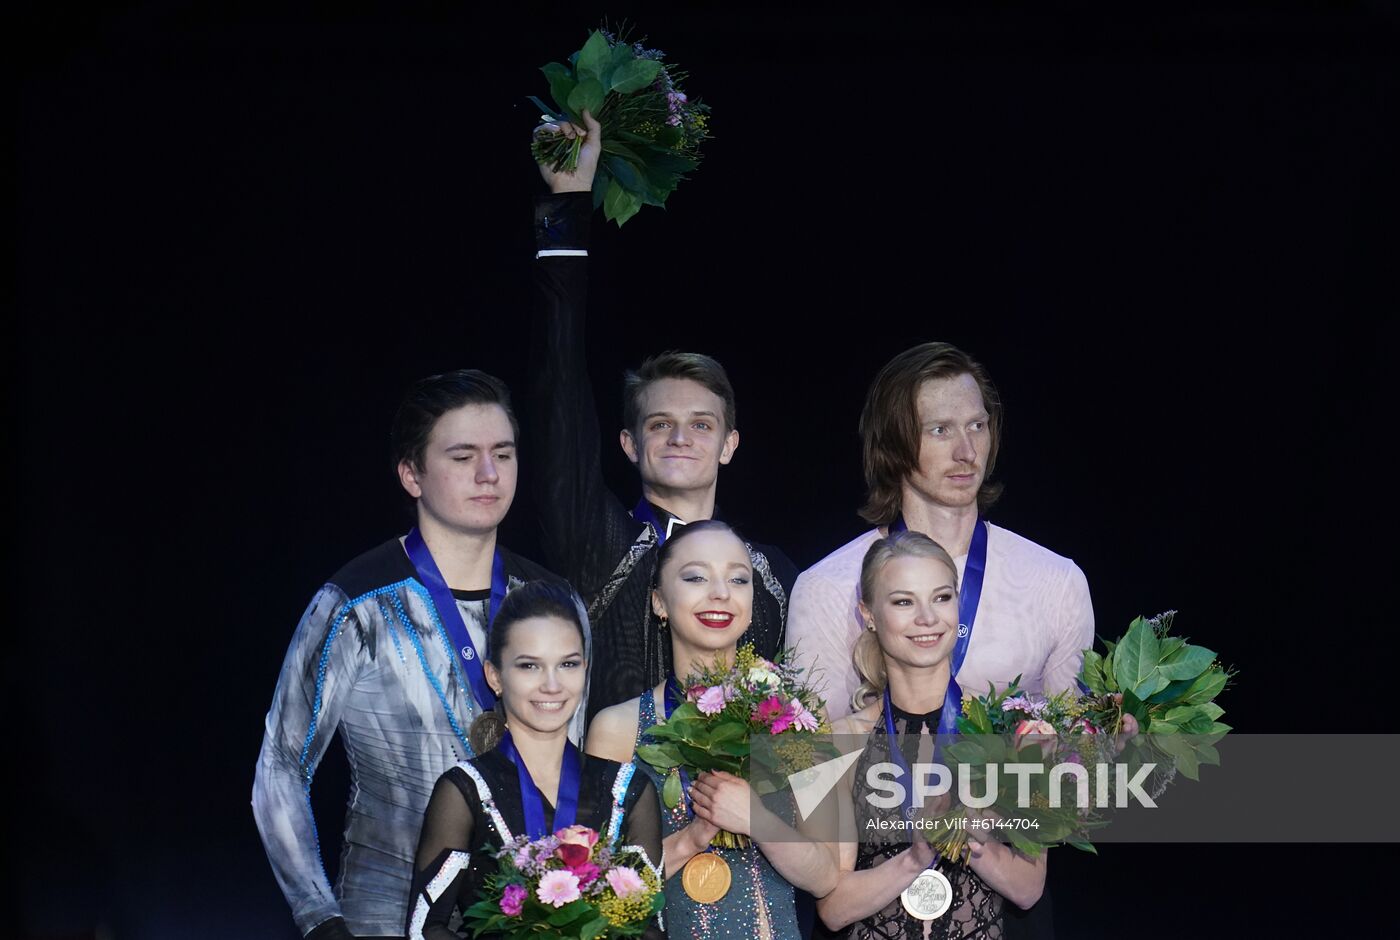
pixel 868 657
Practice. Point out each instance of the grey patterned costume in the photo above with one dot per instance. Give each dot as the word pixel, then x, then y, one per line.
pixel 371 660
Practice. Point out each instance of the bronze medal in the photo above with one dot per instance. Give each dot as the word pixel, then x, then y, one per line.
pixel 929 897
pixel 705 878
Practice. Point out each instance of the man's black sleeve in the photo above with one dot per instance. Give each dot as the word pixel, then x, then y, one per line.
pixel 585 528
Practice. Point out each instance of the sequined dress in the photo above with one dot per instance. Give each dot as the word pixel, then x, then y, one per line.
pixel 476 808
pixel 756 892
pixel 976 909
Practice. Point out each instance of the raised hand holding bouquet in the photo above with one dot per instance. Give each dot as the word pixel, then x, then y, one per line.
pixel 711 713
pixel 569 884
pixel 651 129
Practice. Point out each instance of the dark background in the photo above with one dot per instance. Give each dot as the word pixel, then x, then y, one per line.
pixel 1167 229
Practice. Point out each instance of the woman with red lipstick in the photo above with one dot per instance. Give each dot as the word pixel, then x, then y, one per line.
pixel 526 774
pixel 704 592
pixel 909 603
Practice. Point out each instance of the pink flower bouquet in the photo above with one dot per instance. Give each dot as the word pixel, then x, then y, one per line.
pixel 724 706
pixel 569 884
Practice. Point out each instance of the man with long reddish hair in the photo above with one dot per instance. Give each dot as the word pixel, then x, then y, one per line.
pixel 931 429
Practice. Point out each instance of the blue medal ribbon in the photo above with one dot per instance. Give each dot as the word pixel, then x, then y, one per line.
pixel 532 800
pixel 431 578
pixel 644 514
pixel 969 596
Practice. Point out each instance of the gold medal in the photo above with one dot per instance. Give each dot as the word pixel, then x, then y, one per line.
pixel 706 877
pixel 929 897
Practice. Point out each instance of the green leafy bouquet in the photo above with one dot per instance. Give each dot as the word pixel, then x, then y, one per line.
pixel 1167 684
pixel 652 130
pixel 724 705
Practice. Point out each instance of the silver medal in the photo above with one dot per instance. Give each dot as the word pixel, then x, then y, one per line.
pixel 929 897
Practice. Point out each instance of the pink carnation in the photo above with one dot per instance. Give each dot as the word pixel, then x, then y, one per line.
pixel 625 881
pixel 558 888
pixel 513 899
pixel 587 874
pixel 712 702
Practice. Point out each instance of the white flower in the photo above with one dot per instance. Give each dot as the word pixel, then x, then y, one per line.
pixel 763 680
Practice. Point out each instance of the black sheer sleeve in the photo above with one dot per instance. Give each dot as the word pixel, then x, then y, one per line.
pixel 641 826
pixel 641 821
pixel 440 867
pixel 586 529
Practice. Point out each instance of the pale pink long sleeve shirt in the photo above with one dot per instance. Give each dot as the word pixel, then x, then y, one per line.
pixel 1035 620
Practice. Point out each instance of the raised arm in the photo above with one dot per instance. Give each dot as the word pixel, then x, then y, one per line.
pixel 306 709
pixel 585 527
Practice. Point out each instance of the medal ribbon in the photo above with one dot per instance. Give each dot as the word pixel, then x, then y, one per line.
pixel 969 596
pixel 431 578
pixel 566 808
pixel 645 514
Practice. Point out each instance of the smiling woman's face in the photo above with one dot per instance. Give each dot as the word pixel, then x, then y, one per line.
pixel 705 589
pixel 914 608
pixel 541 677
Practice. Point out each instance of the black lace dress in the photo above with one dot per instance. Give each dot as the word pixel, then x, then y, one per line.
pixel 976 908
pixel 476 808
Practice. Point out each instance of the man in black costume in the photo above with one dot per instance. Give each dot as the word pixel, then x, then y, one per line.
pixel 679 429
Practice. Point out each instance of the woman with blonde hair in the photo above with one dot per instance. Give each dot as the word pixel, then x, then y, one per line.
pixel 909 605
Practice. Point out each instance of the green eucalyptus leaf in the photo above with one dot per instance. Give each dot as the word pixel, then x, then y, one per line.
pixel 1206 688
pixel 693 755
pixel 1136 660
pixel 1170 646
pixel 561 84
pixel 1181 714
pixel 1210 710
pixel 1171 693
pixel 573 911
pixel 619 205
pixel 671 790
pixel 1091 672
pixel 1083 845
pixel 1187 662
pixel 622 52
pixel 661 756
pixel 633 75
pixel 594 58
pixel 586 96
pixel 628 177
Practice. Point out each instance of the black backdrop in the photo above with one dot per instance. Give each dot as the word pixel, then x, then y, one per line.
pixel 244 230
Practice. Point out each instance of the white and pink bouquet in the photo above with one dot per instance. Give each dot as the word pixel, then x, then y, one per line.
pixel 569 884
pixel 724 705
